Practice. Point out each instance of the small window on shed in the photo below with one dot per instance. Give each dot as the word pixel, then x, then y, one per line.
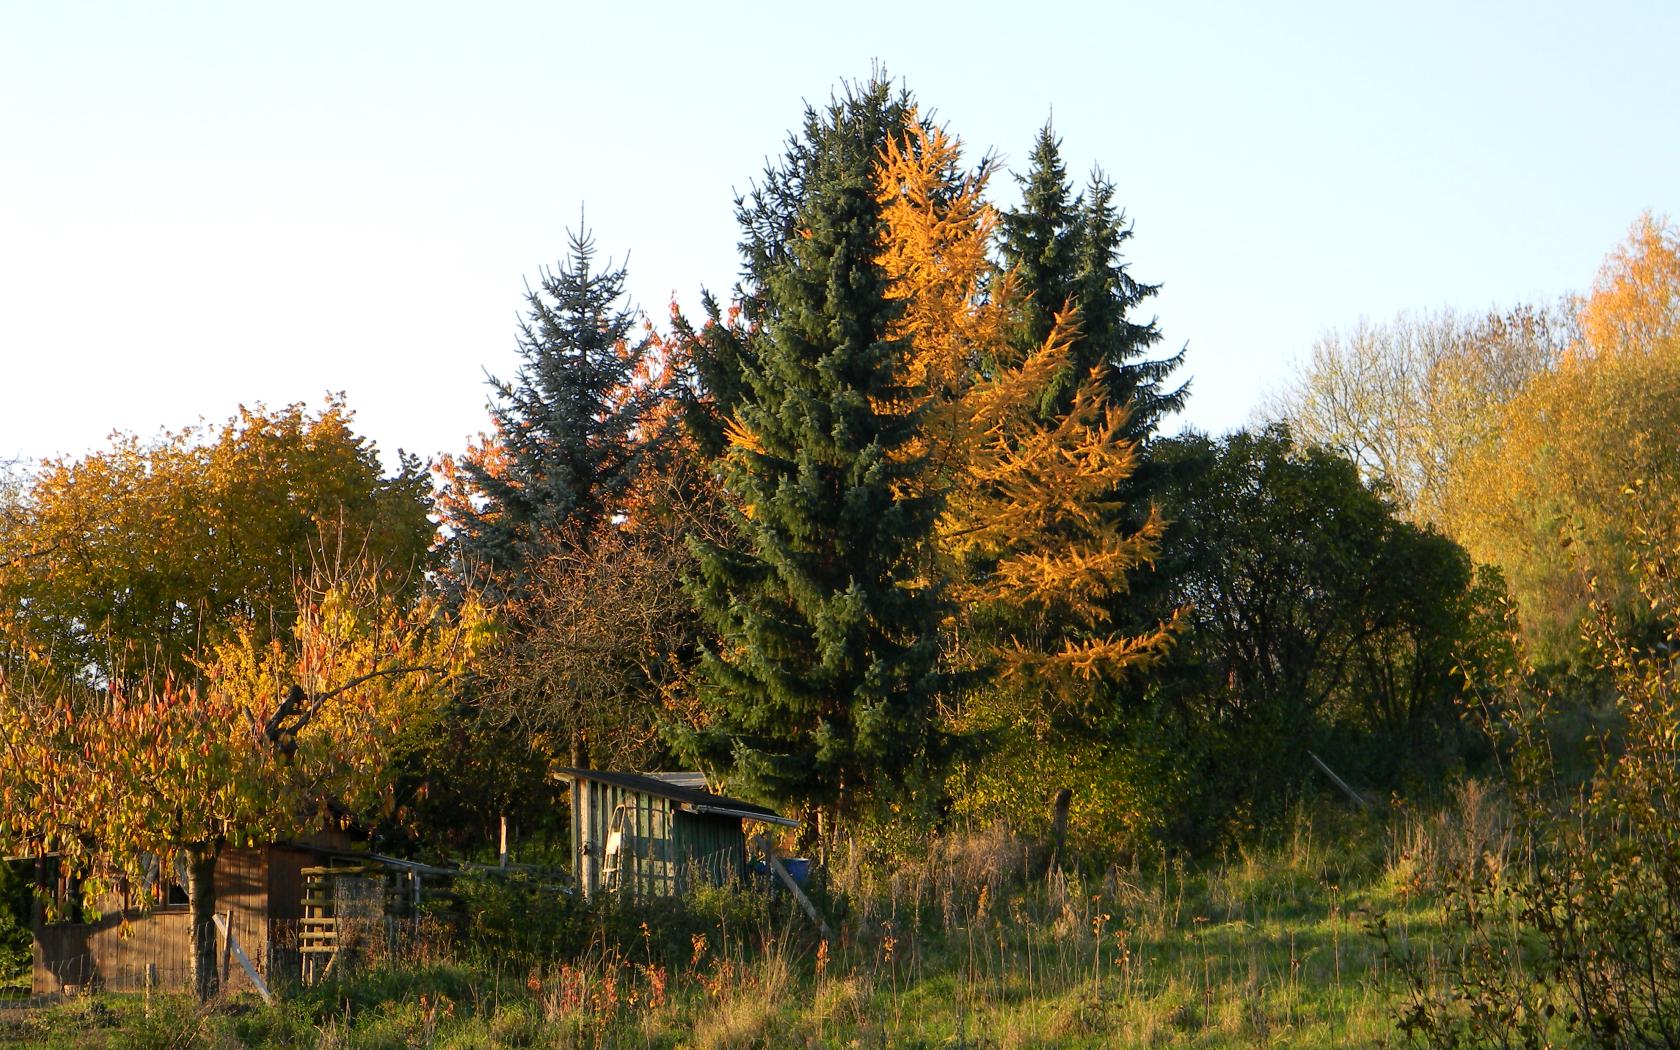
pixel 166 889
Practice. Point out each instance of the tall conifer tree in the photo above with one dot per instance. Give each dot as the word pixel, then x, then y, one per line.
pixel 565 425
pixel 1038 244
pixel 1107 297
pixel 822 685
pixel 1066 249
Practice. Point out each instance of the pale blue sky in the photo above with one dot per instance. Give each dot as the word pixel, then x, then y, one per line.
pixel 215 203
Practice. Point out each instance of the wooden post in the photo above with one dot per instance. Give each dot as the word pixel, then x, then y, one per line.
pixel 1058 827
pixel 37 916
pixel 227 947
pixel 502 862
pixel 586 846
pixel 775 863
pixel 1338 781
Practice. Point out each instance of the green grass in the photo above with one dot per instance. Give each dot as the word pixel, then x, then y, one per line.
pixel 959 949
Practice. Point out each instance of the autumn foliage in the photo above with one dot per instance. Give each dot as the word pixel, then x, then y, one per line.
pixel 890 535
pixel 1030 535
pixel 1546 497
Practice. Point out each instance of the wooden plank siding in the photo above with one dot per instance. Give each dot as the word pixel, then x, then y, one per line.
pixel 645 860
pixel 665 849
pixel 285 910
pixel 710 849
pixel 115 954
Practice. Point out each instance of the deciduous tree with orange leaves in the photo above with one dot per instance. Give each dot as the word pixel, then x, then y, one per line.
pixel 276 738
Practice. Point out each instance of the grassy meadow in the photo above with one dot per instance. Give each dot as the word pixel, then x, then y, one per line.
pixel 971 945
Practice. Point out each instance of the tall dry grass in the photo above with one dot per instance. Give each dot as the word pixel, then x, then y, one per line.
pixel 964 941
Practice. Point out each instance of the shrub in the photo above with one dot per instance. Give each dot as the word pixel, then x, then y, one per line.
pixel 1584 934
pixel 15 941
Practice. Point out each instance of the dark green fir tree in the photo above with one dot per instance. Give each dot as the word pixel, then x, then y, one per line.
pixel 1067 249
pixel 565 424
pixel 1038 240
pixel 822 684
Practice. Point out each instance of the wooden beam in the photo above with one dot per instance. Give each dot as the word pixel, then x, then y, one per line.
pixel 775 863
pixel 1338 781
pixel 227 945
pixel 232 943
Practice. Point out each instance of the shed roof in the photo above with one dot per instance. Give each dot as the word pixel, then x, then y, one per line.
pixel 696 780
pixel 691 799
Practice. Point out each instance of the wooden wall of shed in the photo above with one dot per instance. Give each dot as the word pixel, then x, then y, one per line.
pixel 710 847
pixel 285 908
pixel 115 957
pixel 673 847
pixel 648 865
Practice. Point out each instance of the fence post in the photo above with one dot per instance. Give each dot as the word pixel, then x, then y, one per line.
pixel 227 947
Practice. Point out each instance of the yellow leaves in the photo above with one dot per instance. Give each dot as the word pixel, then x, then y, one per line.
pixel 740 436
pixel 145 554
pixel 1029 530
pixel 1635 302
pixel 1550 497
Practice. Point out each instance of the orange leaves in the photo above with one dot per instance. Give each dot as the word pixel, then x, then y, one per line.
pixel 1635 301
pixel 935 251
pixel 741 437
pixel 1029 532
pixel 154 766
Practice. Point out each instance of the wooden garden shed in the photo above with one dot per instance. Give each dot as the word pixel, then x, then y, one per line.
pixel 284 903
pixel 656 834
pixel 258 890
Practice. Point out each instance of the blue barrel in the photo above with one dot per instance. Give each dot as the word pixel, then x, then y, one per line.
pixel 797 868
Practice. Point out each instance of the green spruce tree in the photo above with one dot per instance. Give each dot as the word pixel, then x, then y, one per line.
pixel 1038 241
pixel 565 425
pixel 1066 249
pixel 822 684
pixel 1108 298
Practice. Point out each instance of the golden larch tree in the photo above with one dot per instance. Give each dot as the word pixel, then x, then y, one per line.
pixel 1030 533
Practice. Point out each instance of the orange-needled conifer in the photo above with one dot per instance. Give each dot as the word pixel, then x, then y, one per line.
pixel 1032 534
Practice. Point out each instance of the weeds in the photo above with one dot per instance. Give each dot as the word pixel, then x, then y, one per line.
pixel 959 944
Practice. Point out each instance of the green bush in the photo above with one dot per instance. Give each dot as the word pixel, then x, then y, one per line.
pixel 14 926
pixel 1581 934
pixel 517 916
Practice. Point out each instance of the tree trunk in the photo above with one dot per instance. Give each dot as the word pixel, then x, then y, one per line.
pixel 201 903
pixel 1058 827
pixel 38 910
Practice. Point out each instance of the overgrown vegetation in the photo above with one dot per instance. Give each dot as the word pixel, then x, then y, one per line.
pixel 892 541
pixel 962 942
pixel 16 896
